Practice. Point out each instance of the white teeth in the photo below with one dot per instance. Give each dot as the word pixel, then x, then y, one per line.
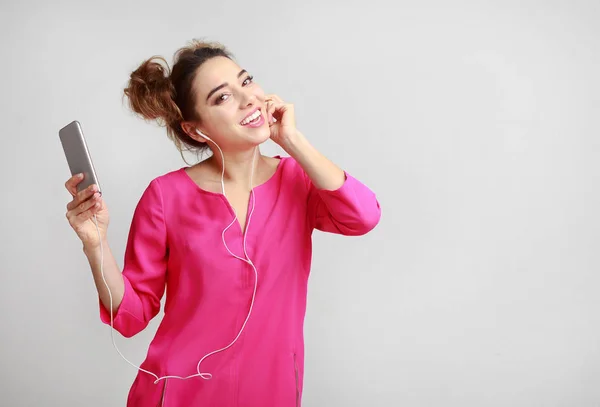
pixel 251 118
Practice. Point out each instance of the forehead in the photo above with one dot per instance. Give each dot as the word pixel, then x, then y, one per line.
pixel 213 73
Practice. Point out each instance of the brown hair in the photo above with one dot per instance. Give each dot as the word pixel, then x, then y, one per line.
pixel 157 93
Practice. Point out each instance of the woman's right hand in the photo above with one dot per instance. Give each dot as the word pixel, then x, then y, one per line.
pixel 81 210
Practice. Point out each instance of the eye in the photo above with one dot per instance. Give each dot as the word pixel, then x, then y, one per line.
pixel 222 98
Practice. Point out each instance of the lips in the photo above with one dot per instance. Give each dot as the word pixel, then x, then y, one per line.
pixel 257 122
pixel 247 116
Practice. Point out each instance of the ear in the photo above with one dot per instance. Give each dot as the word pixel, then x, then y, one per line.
pixel 190 129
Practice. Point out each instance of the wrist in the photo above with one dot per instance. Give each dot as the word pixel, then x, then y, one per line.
pixel 91 248
pixel 296 144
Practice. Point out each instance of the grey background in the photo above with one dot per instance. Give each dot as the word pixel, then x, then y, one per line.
pixel 476 123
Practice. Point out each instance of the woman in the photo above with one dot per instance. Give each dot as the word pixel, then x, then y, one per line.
pixel 229 238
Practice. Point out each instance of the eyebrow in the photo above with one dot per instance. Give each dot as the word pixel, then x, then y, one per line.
pixel 243 71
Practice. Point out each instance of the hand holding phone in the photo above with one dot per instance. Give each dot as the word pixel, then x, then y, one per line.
pixel 83 186
pixel 77 154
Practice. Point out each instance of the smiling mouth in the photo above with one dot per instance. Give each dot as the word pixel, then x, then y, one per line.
pixel 252 119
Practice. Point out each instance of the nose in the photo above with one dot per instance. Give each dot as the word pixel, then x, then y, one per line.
pixel 249 99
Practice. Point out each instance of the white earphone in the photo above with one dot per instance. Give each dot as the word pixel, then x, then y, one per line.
pixel 198 132
pixel 245 259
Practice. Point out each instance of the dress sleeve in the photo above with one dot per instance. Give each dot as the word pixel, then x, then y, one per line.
pixel 350 210
pixel 145 266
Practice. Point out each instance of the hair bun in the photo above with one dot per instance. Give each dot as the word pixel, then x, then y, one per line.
pixel 151 92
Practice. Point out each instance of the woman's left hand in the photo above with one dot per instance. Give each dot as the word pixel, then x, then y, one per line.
pixel 283 127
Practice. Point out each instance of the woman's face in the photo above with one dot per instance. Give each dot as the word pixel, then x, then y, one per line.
pixel 227 100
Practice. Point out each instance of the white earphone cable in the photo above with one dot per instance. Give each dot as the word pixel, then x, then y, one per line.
pixel 247 259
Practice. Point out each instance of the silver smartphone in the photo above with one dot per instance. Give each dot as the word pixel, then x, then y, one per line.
pixel 77 154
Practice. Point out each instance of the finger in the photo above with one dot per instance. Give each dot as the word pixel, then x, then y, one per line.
pixel 84 205
pixel 72 183
pixel 83 196
pixel 77 219
pixel 274 98
pixel 279 110
pixel 270 111
pixel 88 214
pixel 72 215
pixel 86 193
pixel 285 114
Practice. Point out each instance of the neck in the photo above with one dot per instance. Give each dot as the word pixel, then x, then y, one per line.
pixel 238 165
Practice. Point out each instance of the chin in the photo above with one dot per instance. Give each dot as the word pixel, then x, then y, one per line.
pixel 260 135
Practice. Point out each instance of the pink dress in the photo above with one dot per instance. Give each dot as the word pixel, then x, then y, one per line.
pixel 175 244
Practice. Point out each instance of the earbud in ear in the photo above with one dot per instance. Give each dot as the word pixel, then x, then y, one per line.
pixel 202 135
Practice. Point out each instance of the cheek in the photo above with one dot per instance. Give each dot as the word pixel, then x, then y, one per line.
pixel 222 118
pixel 259 93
